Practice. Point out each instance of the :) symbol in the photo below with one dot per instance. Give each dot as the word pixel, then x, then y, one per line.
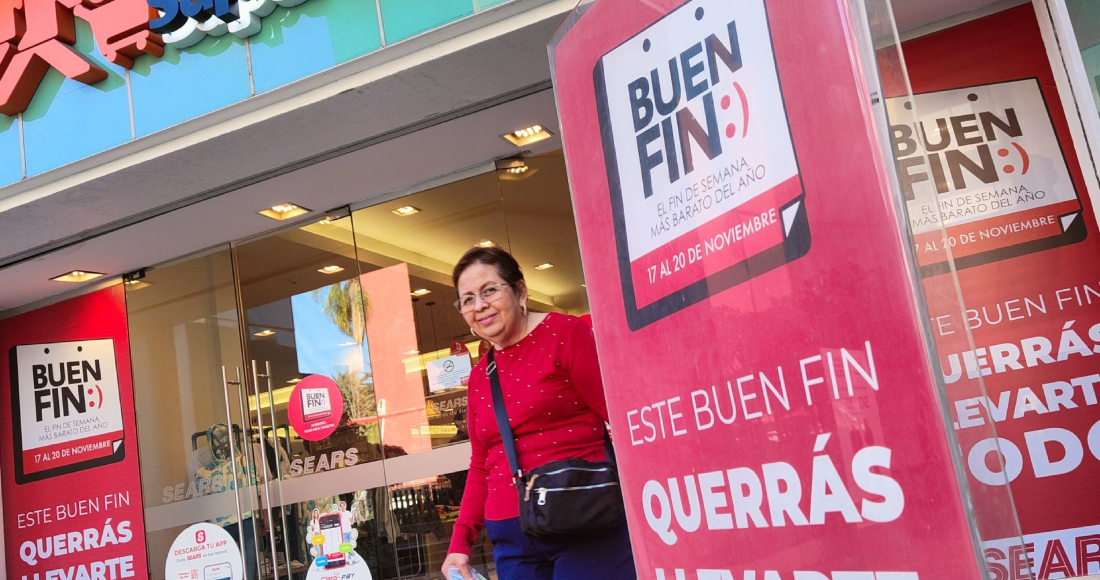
pixel 1024 159
pixel 727 101
pixel 94 391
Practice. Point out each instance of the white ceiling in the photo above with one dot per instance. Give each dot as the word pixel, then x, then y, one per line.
pixel 459 80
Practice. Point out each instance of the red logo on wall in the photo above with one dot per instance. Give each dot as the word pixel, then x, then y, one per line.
pixel 36 35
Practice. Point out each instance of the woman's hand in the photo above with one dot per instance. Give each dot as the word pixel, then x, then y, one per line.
pixel 460 561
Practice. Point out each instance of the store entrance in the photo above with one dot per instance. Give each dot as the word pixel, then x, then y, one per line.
pixel 348 416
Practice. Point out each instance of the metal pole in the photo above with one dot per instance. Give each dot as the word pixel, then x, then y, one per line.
pixel 233 464
pixel 278 468
pixel 263 460
pixel 251 457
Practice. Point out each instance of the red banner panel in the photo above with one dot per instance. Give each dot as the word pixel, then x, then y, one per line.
pixel 69 465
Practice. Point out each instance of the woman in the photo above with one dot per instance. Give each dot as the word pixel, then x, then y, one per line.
pixel 551 383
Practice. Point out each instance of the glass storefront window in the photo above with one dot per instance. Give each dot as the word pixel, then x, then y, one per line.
pixel 356 310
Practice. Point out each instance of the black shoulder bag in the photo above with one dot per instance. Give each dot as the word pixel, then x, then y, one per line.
pixel 571 497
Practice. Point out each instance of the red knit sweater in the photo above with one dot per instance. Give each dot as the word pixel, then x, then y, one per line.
pixel 554 397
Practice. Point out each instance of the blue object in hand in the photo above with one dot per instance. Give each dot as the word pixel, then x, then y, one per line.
pixel 456 574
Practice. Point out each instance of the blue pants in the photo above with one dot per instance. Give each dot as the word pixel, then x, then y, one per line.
pixel 521 557
pixel 248 547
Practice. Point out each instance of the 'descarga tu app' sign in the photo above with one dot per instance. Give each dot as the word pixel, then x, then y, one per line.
pixel 37 35
pixel 784 424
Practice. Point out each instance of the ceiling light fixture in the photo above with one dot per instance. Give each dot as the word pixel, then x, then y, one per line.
pixel 421 292
pixel 528 135
pixel 294 381
pixel 325 222
pixel 544 266
pixel 264 333
pixel 405 211
pixel 515 169
pixel 485 244
pixel 77 276
pixel 284 211
pixel 330 269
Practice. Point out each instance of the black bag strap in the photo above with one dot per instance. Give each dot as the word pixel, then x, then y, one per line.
pixel 506 436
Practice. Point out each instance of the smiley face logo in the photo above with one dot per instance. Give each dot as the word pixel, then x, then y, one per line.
pixel 95 397
pixel 727 102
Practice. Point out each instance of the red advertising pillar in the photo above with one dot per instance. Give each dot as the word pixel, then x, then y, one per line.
pixel 68 449
pixel 771 388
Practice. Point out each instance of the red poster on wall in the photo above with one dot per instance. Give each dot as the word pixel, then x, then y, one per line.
pixel 1002 167
pixel 71 484
pixel 771 394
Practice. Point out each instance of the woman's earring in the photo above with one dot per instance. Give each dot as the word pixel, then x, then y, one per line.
pixel 524 307
pixel 473 332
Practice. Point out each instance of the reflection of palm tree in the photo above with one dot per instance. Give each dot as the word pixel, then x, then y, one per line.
pixel 346 305
pixel 358 392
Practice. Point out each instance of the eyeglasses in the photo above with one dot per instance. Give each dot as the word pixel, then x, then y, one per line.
pixel 490 293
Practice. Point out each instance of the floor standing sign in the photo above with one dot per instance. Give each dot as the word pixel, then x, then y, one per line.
pixel 71 484
pixel 771 393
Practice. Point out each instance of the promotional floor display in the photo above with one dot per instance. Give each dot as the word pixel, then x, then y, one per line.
pixel 1025 243
pixel 204 552
pixel 332 545
pixel 71 484
pixel 771 392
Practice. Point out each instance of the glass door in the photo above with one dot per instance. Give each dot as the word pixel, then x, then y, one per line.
pixel 312 398
pixel 199 471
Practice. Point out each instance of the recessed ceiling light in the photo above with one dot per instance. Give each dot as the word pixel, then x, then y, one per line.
pixel 405 211
pixel 137 284
pixel 294 381
pixel 421 292
pixel 263 333
pixel 325 222
pixel 330 269
pixel 528 135
pixel 77 276
pixel 544 266
pixel 485 244
pixel 284 211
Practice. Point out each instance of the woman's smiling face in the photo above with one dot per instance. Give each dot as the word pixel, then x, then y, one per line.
pixel 500 317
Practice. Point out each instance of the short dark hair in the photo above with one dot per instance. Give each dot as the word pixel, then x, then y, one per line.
pixel 505 264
